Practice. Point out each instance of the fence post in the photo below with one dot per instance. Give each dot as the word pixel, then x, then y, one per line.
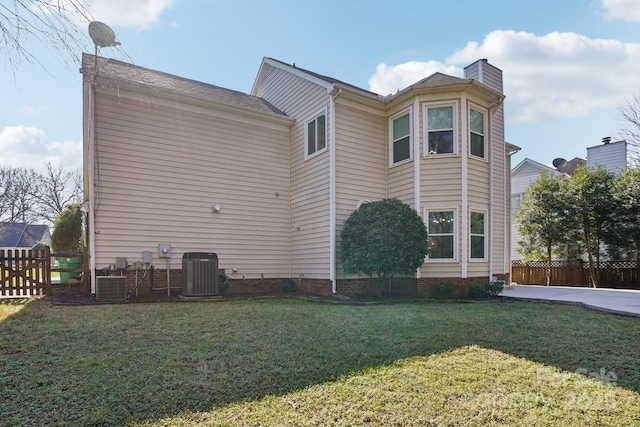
pixel 47 270
pixel 85 271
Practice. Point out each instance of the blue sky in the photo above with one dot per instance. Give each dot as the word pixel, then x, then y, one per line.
pixel 567 65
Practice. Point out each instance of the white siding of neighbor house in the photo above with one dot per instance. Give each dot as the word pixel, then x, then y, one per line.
pixel 161 167
pixel 361 160
pixel 303 100
pixel 611 156
pixel 523 175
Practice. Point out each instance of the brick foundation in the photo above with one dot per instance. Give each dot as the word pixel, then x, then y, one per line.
pixel 438 288
pixel 158 280
pixel 369 286
pixel 448 287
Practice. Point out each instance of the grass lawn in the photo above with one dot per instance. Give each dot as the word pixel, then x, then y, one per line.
pixel 294 362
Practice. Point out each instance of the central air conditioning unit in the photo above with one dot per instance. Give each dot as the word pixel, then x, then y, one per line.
pixel 111 289
pixel 199 274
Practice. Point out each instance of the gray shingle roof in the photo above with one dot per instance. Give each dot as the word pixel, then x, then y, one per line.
pixel 153 79
pixel 325 78
pixel 437 79
pixel 20 234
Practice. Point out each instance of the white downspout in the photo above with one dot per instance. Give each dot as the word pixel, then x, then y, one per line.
pixel 417 159
pixel 464 214
pixel 91 167
pixel 332 192
pixel 490 222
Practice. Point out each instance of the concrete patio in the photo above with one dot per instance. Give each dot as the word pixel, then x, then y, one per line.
pixel 618 301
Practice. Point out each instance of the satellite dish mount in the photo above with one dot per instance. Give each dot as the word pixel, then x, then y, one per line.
pixel 559 163
pixel 102 36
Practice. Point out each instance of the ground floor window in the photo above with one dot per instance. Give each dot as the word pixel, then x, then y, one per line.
pixel 441 228
pixel 477 234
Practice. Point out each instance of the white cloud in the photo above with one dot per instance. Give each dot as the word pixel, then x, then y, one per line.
pixel 627 10
pixel 22 146
pixel 391 78
pixel 554 76
pixel 138 14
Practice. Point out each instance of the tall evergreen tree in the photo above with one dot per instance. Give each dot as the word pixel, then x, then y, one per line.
pixel 589 192
pixel 623 234
pixel 544 226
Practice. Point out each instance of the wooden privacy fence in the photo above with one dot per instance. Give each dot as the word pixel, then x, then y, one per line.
pixel 613 274
pixel 25 273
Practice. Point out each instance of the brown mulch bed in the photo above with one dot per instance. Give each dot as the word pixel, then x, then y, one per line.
pixel 74 295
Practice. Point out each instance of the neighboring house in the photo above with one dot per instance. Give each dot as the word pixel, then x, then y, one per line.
pixel 267 180
pixel 610 155
pixel 20 235
pixel 526 172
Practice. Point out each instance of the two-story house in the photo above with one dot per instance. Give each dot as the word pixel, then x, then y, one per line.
pixel 266 180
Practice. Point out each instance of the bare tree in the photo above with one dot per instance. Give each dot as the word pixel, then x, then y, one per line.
pixel 52 23
pixel 55 189
pixel 16 195
pixel 34 197
pixel 630 118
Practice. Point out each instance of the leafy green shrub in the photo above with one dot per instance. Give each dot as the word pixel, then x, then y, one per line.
pixel 477 292
pixel 494 288
pixel 384 238
pixel 487 290
pixel 67 230
pixel 443 290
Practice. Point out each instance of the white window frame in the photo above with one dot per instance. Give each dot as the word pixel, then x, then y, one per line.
pixel 391 140
pixel 317 151
pixel 425 114
pixel 484 235
pixel 455 233
pixel 485 124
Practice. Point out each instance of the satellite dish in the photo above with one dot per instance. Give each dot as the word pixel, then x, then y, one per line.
pixel 559 163
pixel 102 35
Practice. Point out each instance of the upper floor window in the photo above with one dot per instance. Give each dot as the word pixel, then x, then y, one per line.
pixel 440 131
pixel 476 133
pixel 400 138
pixel 440 226
pixel 316 133
pixel 477 235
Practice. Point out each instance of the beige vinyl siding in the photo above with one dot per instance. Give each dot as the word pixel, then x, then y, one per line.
pixel 400 183
pixel 361 161
pixel 160 169
pixel 478 176
pixel 500 202
pixel 499 221
pixel 440 181
pixel 441 189
pixel 302 99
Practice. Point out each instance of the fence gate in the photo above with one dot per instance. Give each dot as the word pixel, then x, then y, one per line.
pixel 25 273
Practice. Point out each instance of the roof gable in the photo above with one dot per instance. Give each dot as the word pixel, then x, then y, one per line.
pixel 325 81
pixel 437 79
pixel 572 165
pixel 531 167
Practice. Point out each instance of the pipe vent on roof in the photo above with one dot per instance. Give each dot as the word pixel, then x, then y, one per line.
pixel 606 140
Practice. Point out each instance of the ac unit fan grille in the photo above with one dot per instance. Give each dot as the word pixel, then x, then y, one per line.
pixel 111 289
